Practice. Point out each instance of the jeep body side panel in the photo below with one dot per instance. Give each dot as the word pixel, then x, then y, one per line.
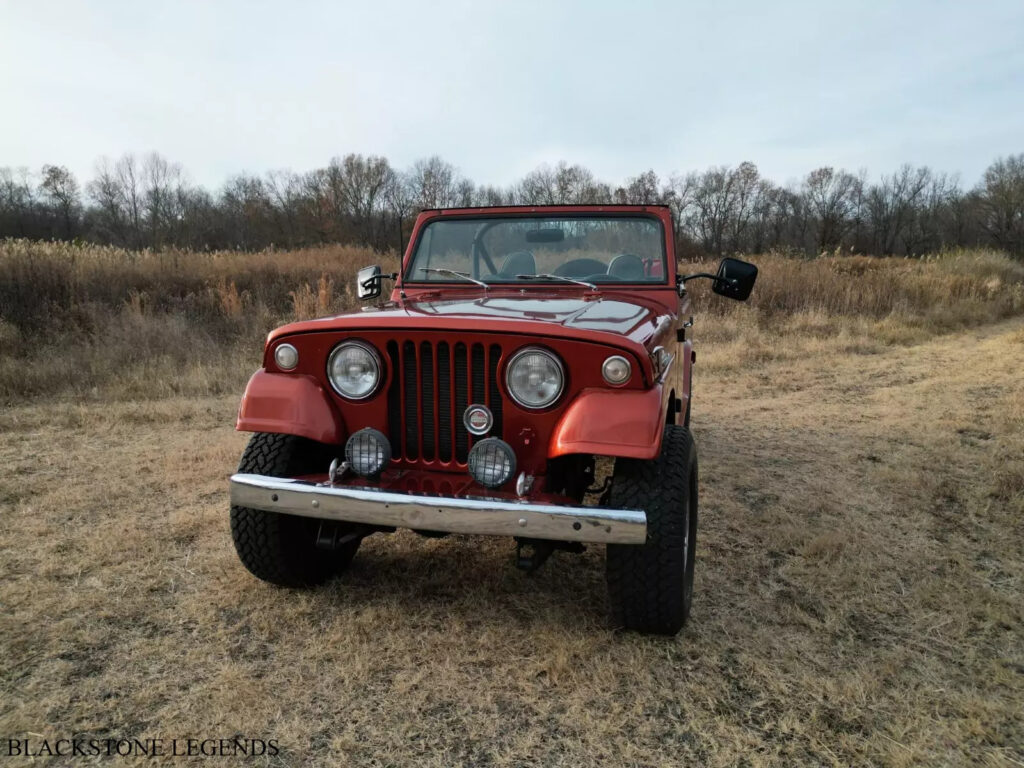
pixel 289 404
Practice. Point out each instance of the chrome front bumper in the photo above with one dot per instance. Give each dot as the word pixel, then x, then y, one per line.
pixel 494 517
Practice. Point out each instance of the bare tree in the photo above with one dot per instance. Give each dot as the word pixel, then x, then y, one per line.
pixel 831 196
pixel 891 204
pixel 713 205
pixel 678 195
pixel 360 184
pixel 644 189
pixel 105 192
pixel 746 188
pixel 488 195
pixel 162 182
pixel 1001 198
pixel 17 202
pixel 929 215
pixel 128 175
pixel 434 183
pixel 247 209
pixel 59 190
pixel 401 201
pixel 538 187
pixel 286 192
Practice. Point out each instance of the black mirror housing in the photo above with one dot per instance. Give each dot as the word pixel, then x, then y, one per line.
pixel 368 282
pixel 735 279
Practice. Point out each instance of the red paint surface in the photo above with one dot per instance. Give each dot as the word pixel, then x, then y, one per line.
pixel 607 422
pixel 289 404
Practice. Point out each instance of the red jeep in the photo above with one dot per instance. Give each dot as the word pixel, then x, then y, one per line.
pixel 519 345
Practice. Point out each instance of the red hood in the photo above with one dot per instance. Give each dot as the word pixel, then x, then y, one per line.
pixel 614 318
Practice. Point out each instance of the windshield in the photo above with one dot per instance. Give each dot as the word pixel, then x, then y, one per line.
pixel 594 249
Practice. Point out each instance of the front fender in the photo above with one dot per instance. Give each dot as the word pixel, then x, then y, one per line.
pixel 616 422
pixel 289 404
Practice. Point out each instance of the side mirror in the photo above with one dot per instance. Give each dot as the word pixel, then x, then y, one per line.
pixel 735 279
pixel 368 282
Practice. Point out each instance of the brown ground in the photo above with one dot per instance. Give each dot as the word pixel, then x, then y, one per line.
pixel 858 589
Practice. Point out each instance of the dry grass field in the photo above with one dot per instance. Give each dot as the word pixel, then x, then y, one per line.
pixel 859 582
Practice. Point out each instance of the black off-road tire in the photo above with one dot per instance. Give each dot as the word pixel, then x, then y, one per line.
pixel 281 549
pixel 650 586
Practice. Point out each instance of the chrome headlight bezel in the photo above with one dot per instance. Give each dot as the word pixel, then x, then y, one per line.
pixel 375 360
pixel 557 365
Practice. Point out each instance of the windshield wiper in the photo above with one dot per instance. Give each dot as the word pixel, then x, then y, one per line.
pixel 453 273
pixel 563 278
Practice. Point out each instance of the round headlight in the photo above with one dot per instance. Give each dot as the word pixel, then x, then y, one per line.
pixel 367 452
pixel 534 378
pixel 616 370
pixel 354 370
pixel 286 356
pixel 492 462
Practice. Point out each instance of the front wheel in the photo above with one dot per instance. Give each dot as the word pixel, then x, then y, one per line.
pixel 650 586
pixel 280 548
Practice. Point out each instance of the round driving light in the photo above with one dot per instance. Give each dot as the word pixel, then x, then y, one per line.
pixel 478 420
pixel 534 377
pixel 616 370
pixel 367 452
pixel 492 462
pixel 286 356
pixel 354 370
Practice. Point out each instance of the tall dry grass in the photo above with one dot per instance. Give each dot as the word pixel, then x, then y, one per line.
pixel 961 285
pixel 836 304
pixel 87 321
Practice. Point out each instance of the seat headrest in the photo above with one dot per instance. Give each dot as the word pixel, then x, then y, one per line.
pixel 627 266
pixel 518 263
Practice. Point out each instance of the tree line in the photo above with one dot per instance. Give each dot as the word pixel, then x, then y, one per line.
pixel 148 202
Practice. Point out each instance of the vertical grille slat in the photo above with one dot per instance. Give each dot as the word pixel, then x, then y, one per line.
pixel 461 403
pixel 479 372
pixel 409 385
pixel 477 379
pixel 395 399
pixel 494 394
pixel 444 402
pixel 431 387
pixel 428 429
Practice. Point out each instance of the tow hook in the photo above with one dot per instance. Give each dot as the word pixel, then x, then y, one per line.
pixel 531 554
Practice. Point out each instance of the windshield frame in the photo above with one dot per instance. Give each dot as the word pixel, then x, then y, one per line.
pixel 541 214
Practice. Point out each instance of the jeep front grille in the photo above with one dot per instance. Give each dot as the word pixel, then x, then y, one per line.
pixel 431 387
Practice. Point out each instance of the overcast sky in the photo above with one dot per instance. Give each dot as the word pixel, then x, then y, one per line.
pixel 498 88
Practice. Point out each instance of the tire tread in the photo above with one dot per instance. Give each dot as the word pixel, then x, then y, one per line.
pixel 277 548
pixel 646 588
